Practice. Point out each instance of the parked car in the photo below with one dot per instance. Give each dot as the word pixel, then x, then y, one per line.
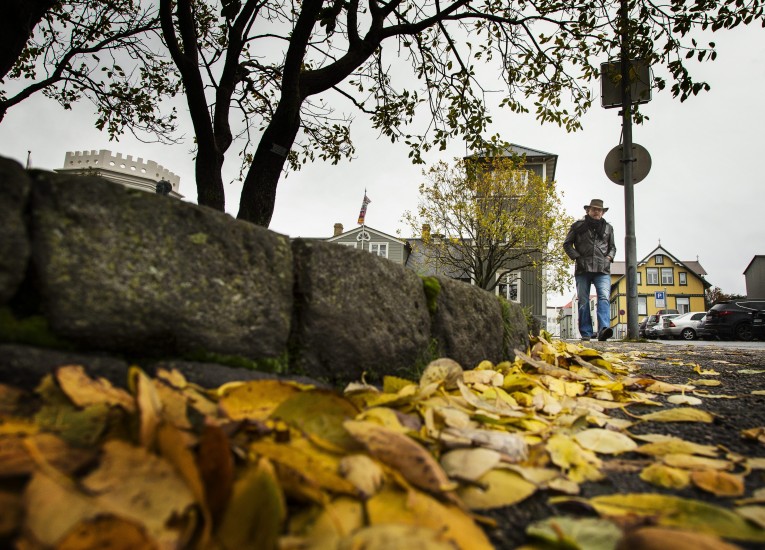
pixel 641 328
pixel 703 333
pixel 655 323
pixel 758 325
pixel 683 326
pixel 734 320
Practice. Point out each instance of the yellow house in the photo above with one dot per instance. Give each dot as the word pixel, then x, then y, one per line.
pixel 681 282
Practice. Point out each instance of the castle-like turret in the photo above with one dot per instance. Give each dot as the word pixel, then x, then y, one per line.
pixel 127 171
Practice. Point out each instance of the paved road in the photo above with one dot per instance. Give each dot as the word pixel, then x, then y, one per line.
pixel 757 345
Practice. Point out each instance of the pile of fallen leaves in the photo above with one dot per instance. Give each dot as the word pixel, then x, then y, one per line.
pixel 413 464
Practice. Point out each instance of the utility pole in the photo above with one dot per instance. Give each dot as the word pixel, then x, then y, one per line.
pixel 630 245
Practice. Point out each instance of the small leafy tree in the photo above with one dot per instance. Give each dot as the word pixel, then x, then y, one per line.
pixel 106 51
pixel 715 295
pixel 488 217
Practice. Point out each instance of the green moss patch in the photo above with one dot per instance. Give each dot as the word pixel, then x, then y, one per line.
pixel 274 365
pixel 33 330
pixel 432 288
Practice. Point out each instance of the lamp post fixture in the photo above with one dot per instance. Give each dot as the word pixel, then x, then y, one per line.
pixel 164 187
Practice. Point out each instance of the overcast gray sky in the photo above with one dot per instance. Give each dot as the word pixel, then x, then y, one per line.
pixel 703 199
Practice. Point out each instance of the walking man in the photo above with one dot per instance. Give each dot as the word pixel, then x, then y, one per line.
pixel 590 243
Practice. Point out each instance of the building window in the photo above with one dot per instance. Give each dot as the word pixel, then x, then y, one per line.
pixel 659 259
pixel 510 287
pixel 639 278
pixel 381 249
pixel 642 305
pixel 683 304
pixel 667 276
pixel 352 245
pixel 682 277
pixel 652 275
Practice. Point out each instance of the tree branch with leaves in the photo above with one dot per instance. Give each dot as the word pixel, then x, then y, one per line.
pixel 106 51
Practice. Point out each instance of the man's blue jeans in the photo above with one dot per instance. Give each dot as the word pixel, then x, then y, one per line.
pixel 602 282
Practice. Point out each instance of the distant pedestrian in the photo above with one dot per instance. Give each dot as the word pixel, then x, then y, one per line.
pixel 590 243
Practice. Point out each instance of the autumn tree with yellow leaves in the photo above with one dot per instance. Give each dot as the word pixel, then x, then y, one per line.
pixel 486 218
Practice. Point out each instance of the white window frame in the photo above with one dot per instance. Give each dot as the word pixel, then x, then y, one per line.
pixel 670 280
pixel 508 280
pixel 659 260
pixel 652 280
pixel 682 278
pixel 375 248
pixel 346 243
pixel 642 305
pixel 683 304
pixel 638 278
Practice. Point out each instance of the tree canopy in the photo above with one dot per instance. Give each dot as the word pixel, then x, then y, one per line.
pixel 107 51
pixel 283 81
pixel 489 217
pixel 422 72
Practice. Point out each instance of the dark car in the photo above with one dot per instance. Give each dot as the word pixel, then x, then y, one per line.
pixel 758 325
pixel 734 320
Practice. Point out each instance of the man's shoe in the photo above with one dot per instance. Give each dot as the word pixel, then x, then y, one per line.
pixel 605 334
pixel 585 338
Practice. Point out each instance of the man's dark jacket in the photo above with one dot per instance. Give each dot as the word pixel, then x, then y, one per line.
pixel 584 245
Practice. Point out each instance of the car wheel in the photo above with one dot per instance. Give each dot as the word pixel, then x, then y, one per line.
pixel 688 334
pixel 743 331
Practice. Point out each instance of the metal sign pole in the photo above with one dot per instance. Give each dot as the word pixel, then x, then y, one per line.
pixel 630 246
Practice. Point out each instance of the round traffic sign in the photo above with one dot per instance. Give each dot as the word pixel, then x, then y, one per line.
pixel 640 167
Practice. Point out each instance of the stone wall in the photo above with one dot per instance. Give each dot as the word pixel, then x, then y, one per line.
pixel 90 268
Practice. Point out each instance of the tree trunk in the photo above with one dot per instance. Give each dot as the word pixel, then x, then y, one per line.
pixel 259 192
pixel 208 173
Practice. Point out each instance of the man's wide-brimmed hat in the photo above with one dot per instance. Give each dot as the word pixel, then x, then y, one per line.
pixel 597 203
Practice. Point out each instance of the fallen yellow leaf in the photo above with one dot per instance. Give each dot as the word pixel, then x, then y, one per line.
pixel 666 476
pixel 721 484
pixel 679 414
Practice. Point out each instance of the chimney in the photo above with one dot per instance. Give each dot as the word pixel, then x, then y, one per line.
pixel 425 231
pixel 338 229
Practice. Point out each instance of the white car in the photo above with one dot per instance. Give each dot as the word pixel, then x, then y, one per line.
pixel 655 326
pixel 682 326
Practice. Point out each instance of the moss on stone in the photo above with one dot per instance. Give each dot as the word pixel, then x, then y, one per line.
pixel 33 330
pixel 274 365
pixel 507 328
pixel 432 288
pixel 198 238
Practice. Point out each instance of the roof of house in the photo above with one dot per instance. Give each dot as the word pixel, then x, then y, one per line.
pixel 760 257
pixel 620 268
pixel 369 230
pixel 420 262
pixel 534 156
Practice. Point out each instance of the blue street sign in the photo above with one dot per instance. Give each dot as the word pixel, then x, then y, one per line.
pixel 659 297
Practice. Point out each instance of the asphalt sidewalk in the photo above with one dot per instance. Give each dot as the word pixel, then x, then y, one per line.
pixel 733 404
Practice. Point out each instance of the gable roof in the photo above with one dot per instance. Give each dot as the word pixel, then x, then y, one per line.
pixel 758 258
pixel 620 268
pixel 369 230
